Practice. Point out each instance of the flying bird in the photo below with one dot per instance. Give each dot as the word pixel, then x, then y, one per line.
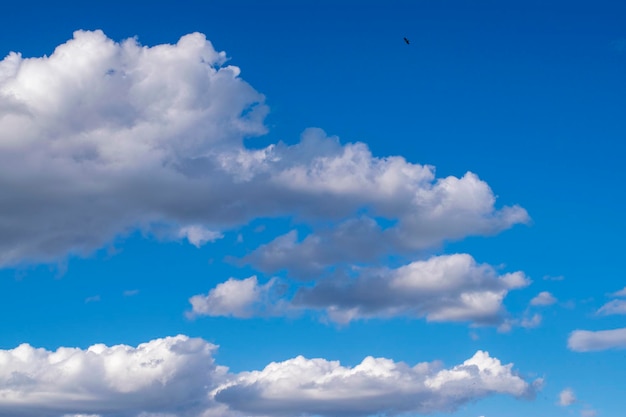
pixel 407 41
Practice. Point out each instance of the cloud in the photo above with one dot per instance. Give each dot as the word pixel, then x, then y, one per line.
pixel 620 293
pixel 163 375
pixel 530 323
pixel 102 138
pixel 613 307
pixel 198 235
pixel 92 299
pixel 586 341
pixel 235 298
pixel 588 413
pixel 544 298
pixel 442 288
pixel 567 397
pixel 177 376
pixel 424 216
pixel 376 386
pixel 553 277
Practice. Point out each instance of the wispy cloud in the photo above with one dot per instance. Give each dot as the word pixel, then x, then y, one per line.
pixel 92 299
pixel 586 341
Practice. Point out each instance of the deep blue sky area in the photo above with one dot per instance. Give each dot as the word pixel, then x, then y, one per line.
pixel 528 95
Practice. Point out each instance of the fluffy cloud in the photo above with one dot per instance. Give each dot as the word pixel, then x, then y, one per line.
pixel 101 138
pixel 198 235
pixel 177 376
pixel 442 288
pixel 424 215
pixel 236 298
pixel 376 386
pixel 585 341
pixel 567 397
pixel 544 298
pixel 164 375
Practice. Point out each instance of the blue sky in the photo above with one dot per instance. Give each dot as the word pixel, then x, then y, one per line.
pixel 303 198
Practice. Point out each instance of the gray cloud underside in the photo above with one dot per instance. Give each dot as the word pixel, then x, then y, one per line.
pixel 442 288
pixel 102 138
pixel 177 376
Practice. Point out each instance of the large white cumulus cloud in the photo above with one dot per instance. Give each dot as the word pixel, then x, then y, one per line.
pixel 95 137
pixel 101 138
pixel 377 386
pixel 177 376
pixel 164 375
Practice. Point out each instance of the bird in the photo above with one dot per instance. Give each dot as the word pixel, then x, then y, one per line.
pixel 407 41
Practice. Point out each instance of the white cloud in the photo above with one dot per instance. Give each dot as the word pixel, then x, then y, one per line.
pixel 613 307
pixel 101 138
pixel 544 298
pixel 236 298
pixel 198 235
pixel 376 386
pixel 585 341
pixel 177 377
pixel 442 288
pixel 588 413
pixel 567 397
pixel 426 214
pixel 163 375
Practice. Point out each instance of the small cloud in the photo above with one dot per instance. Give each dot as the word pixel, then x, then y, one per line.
pixel 620 293
pixel 259 228
pixel 530 323
pixel 130 293
pixel 234 298
pixel 612 308
pixel 198 235
pixel 553 278
pixel 474 336
pixel 588 413
pixel 506 326
pixel 587 341
pixel 544 298
pixel 92 299
pixel 239 238
pixel 567 397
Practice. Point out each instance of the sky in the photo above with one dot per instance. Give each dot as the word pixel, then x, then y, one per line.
pixel 281 208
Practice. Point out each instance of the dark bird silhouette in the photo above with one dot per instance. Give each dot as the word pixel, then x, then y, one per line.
pixel 407 41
